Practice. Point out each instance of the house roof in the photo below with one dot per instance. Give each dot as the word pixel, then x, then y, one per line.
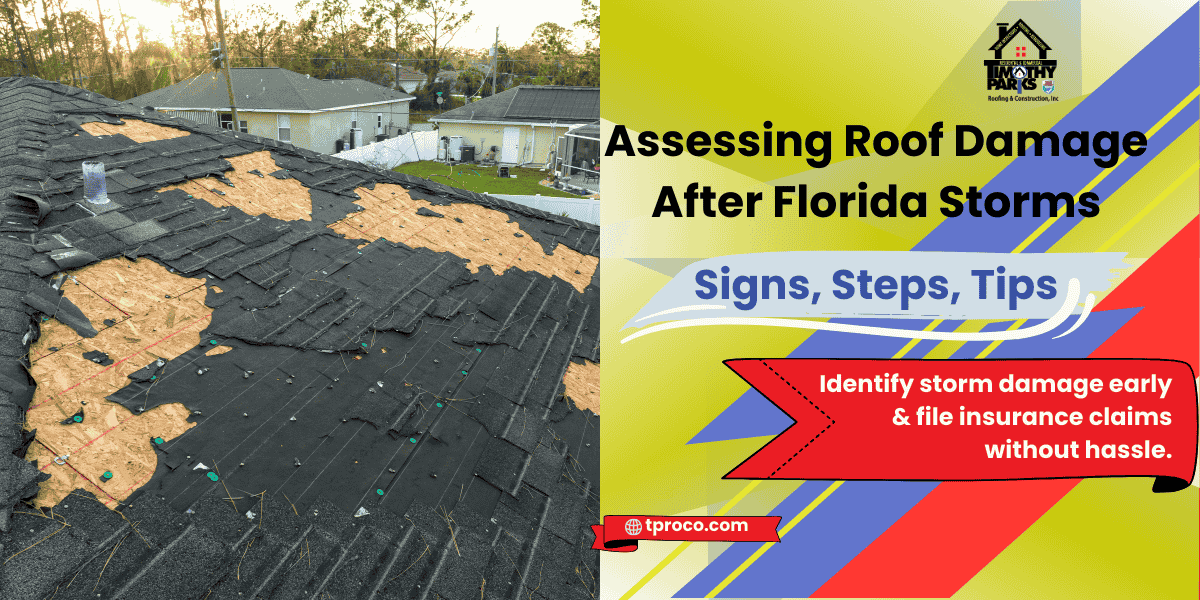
pixel 536 103
pixel 267 89
pixel 292 373
pixel 1020 27
pixel 408 73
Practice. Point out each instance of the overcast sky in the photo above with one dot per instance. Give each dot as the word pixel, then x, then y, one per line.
pixel 515 19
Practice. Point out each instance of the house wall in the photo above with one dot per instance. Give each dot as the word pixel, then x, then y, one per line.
pixel 411 85
pixel 315 131
pixel 260 124
pixel 327 127
pixel 484 136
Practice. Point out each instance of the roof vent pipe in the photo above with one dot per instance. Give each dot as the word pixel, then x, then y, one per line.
pixel 95 190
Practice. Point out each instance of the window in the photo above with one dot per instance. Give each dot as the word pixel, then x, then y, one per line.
pixel 379 121
pixel 243 127
pixel 285 128
pixel 226 121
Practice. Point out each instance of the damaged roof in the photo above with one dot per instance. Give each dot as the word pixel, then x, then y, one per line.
pixel 264 372
pixel 267 89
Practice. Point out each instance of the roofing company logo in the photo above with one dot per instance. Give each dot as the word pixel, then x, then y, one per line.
pixel 1014 66
pixel 633 527
pixel 1048 86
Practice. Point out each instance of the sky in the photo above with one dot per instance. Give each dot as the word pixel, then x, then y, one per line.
pixel 516 26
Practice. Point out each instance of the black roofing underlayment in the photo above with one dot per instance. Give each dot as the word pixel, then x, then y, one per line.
pixel 383 381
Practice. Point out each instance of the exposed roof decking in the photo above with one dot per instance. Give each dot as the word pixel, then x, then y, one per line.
pixel 320 322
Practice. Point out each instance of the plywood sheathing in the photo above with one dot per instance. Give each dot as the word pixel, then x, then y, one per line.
pixel 138 131
pixel 153 314
pixel 284 199
pixel 218 350
pixel 484 237
pixel 583 385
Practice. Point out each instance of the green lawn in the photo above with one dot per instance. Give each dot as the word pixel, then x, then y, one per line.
pixel 483 179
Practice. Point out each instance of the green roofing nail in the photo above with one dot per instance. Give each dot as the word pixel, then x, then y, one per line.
pixel 213 342
pixel 213 476
pixel 478 350
pixel 78 419
pixel 439 404
pixel 364 345
pixel 106 476
pixel 413 440
pixel 380 492
pixel 158 440
pixel 464 372
pixel 153 377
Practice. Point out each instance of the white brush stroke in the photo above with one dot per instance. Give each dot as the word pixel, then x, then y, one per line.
pixel 946 336
pixel 1087 310
pixel 682 309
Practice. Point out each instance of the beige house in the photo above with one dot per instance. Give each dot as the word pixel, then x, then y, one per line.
pixel 317 114
pixel 521 125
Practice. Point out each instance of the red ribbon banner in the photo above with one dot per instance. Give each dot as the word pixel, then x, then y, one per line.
pixel 620 533
pixel 974 420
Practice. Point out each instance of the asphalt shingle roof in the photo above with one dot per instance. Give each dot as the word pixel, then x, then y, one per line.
pixel 472 474
pixel 267 88
pixel 525 103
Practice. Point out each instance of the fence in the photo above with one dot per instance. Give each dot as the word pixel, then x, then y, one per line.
pixel 389 153
pixel 582 209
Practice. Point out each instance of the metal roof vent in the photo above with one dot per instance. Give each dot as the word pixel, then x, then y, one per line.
pixel 95 189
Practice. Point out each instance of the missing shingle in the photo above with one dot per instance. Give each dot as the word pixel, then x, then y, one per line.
pixel 582 382
pixel 133 297
pixel 283 198
pixel 483 236
pixel 138 131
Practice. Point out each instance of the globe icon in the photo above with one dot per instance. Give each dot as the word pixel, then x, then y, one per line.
pixel 633 527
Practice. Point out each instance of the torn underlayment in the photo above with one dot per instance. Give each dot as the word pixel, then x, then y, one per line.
pixel 264 372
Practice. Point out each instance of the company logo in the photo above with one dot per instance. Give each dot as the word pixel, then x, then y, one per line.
pixel 1048 86
pixel 1020 57
pixel 633 527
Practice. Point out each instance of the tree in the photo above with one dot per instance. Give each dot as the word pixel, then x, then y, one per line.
pixel 591 20
pixel 426 97
pixel 398 14
pixel 554 43
pixel 444 22
pixel 263 27
pixel 591 48
pixel 104 41
pixel 17 25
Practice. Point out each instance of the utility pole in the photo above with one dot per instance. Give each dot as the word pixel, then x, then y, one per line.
pixel 228 78
pixel 495 59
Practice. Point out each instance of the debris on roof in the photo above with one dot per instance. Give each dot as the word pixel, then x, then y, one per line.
pixel 397 376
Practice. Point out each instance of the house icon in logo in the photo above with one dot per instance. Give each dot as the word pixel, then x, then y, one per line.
pixel 1021 69
pixel 1007 34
